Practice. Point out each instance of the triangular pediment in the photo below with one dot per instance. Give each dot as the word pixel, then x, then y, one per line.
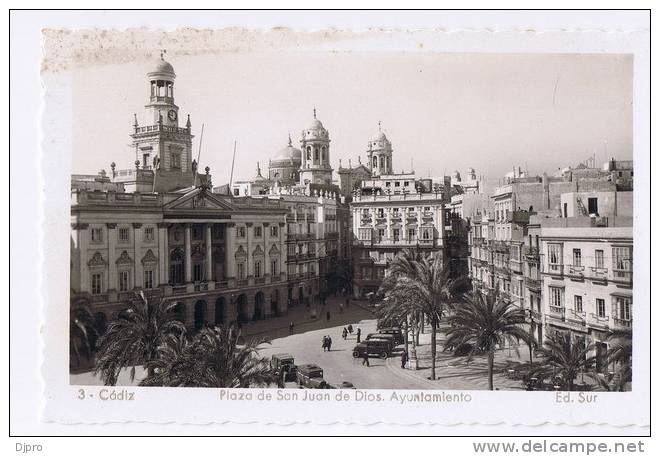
pixel 199 199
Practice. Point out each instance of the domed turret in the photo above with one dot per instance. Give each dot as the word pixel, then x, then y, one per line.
pixel 379 150
pixel 162 70
pixel 315 142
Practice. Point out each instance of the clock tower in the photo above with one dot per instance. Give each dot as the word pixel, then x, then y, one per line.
pixel 161 145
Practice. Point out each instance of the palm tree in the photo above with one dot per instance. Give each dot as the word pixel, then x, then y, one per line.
pixel 484 322
pixel 212 359
pixel 620 354
pixel 82 334
pixel 564 359
pixel 134 337
pixel 428 290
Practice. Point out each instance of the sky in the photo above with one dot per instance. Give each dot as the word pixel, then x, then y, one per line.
pixel 441 111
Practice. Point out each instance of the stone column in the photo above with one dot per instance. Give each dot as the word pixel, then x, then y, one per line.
pixel 388 215
pixel 138 278
pixel 230 250
pixel 265 231
pixel 249 266
pixel 209 253
pixel 188 260
pixel 283 250
pixel 112 255
pixel 82 243
pixel 163 254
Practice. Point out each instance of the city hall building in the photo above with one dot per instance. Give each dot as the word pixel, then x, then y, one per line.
pixel 158 227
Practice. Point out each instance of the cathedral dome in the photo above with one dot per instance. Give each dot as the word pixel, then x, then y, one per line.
pixel 288 153
pixel 315 125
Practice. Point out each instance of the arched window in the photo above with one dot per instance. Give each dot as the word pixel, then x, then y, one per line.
pixel 176 267
pixel 323 154
pixel 375 162
pixel 309 152
pixel 316 154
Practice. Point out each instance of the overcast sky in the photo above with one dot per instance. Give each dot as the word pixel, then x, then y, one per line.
pixel 443 111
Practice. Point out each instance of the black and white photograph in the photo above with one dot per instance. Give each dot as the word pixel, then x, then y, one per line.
pixel 297 222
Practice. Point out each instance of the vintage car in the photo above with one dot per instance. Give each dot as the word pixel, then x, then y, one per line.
pixel 311 376
pixel 387 337
pixel 396 332
pixel 372 347
pixel 283 362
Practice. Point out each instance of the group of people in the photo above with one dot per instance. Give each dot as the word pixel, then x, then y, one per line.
pixel 349 330
pixel 327 343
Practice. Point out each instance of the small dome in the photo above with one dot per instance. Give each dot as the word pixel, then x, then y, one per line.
pixel 379 136
pixel 315 125
pixel 162 67
pixel 288 153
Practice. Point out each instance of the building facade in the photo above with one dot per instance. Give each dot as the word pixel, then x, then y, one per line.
pixel 392 212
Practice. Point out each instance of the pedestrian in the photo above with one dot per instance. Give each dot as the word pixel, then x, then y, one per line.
pixel 359 332
pixel 344 333
pixel 341 308
pixel 325 342
pixel 290 327
pixel 327 315
pixel 329 342
pixel 404 359
pixel 347 302
pixel 350 329
pixel 365 358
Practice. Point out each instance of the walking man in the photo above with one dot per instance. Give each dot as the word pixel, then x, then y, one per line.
pixel 404 359
pixel 290 328
pixel 329 342
pixel 359 332
pixel 365 358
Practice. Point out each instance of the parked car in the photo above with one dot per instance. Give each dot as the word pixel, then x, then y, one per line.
pixel 372 347
pixel 396 332
pixel 387 337
pixel 311 376
pixel 283 361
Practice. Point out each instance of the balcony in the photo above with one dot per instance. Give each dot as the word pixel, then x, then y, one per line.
pixel 516 266
pixel 259 280
pixel 242 283
pixel 221 284
pixel 179 289
pixel 555 270
pixel 575 271
pixel 558 313
pixel 597 320
pixel 411 215
pixel 597 273
pixel 300 236
pixel 201 286
pixel 579 317
pixel 381 220
pixel 621 323
pixel 427 215
pixel 518 217
pixel 622 276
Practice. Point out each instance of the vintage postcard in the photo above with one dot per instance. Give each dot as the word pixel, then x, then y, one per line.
pixel 346 226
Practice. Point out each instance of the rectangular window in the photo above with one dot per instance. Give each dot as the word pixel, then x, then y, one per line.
pixel 97 234
pixel 577 301
pixel 123 235
pixel 593 206
pixel 556 297
pixel 397 184
pixel 554 257
pixel 148 279
pixel 623 307
pixel 97 283
pixel 257 269
pixel 273 267
pixel 123 280
pixel 599 259
pixel 381 212
pixel 406 183
pixel 395 233
pixel 577 257
pixel 621 259
pixel 257 231
pixel 240 271
pixel 240 231
pixel 381 233
pixel 274 231
pixel 198 272
pixel 149 234
pixel 600 307
pixel 176 161
pixel 411 234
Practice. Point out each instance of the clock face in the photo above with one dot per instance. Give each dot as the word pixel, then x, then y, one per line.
pixel 171 114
